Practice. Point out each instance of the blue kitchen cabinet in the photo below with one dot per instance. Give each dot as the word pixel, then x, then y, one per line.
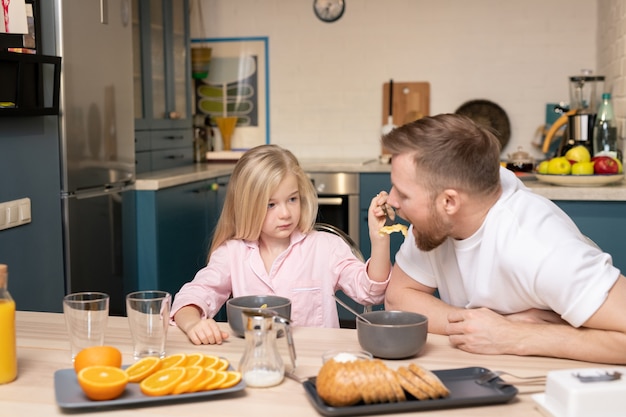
pixel 370 185
pixel 604 222
pixel 173 231
pixel 162 84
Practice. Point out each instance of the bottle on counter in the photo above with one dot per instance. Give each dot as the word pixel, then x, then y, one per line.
pixel 8 353
pixel 605 130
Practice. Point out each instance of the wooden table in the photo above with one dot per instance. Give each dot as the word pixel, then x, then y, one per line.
pixel 43 348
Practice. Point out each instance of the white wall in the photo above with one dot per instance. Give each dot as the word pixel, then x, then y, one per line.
pixel 611 54
pixel 326 79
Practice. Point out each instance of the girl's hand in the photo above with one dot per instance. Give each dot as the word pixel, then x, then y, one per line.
pixel 376 216
pixel 206 332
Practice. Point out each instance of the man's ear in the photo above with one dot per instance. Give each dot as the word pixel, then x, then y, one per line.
pixel 449 200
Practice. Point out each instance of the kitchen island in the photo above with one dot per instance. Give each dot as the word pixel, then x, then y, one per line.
pixel 43 349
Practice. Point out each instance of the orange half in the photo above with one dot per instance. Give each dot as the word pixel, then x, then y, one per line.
pixel 101 382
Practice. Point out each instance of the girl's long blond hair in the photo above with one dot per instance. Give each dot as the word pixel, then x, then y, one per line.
pixel 256 175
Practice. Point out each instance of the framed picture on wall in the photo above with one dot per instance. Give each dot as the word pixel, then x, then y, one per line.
pixel 29 39
pixel 236 84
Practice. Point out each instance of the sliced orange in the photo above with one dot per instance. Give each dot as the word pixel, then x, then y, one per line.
pixel 217 381
pixel 193 375
pixel 143 368
pixel 163 382
pixel 97 355
pixel 232 379
pixel 101 382
pixel 221 365
pixel 177 359
pixel 210 361
pixel 194 359
pixel 207 377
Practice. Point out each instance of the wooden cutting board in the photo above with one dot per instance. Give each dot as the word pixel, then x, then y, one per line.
pixel 411 101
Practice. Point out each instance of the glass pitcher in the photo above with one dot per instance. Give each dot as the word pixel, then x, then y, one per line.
pixel 261 364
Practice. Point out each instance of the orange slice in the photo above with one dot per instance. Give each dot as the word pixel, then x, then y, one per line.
pixel 207 377
pixel 210 361
pixel 143 368
pixel 177 359
pixel 221 365
pixel 101 382
pixel 163 382
pixel 232 379
pixel 194 359
pixel 219 379
pixel 193 375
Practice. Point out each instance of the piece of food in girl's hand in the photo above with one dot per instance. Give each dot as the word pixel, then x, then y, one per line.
pixel 394 228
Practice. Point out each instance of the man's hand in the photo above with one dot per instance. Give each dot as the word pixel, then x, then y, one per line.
pixel 482 331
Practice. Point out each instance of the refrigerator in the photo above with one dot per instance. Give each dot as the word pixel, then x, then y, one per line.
pixel 96 131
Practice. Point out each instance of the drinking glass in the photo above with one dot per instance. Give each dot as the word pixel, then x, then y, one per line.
pixel 148 317
pixel 86 315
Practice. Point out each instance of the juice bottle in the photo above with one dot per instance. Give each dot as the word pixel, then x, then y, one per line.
pixel 8 354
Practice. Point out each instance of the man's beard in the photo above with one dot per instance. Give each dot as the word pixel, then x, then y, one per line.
pixel 434 234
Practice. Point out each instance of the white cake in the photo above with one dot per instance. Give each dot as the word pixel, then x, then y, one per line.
pixel 568 396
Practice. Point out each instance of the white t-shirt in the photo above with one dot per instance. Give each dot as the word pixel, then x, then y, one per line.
pixel 527 254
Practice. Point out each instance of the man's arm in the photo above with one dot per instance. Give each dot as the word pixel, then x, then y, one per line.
pixel 601 339
pixel 404 293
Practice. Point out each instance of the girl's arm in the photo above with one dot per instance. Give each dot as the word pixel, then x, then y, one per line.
pixel 379 266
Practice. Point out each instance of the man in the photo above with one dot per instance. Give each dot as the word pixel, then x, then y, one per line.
pixel 513 272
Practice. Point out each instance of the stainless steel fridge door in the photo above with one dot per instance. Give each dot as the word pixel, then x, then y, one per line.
pixel 94 39
pixel 93 246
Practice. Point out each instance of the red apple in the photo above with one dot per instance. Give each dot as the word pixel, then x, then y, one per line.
pixel 605 165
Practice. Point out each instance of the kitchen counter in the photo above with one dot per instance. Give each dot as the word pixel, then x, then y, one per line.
pixel 43 348
pixel 202 171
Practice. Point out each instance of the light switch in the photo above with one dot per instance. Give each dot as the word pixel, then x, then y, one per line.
pixel 15 213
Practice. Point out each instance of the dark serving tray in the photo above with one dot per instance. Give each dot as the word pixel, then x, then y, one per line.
pixel 69 395
pixel 464 392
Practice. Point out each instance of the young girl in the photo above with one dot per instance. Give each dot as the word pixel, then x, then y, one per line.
pixel 264 243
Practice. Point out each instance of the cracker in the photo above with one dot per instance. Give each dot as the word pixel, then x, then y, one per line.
pixel 433 381
pixel 410 383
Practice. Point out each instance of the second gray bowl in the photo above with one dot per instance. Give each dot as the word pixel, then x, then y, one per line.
pixel 392 334
pixel 236 305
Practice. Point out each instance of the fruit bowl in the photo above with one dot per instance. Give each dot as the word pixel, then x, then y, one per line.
pixel 580 180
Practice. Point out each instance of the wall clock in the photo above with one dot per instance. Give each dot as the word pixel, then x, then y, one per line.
pixel 329 10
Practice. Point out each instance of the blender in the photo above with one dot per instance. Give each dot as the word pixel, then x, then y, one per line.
pixel 585 92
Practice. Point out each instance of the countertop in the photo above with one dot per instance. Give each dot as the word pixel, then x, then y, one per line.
pixel 207 170
pixel 43 349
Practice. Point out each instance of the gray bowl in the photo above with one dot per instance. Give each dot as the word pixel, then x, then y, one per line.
pixel 236 305
pixel 392 334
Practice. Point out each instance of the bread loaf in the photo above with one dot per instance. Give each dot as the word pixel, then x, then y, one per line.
pixel 341 384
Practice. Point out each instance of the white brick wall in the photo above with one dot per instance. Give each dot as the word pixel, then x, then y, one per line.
pixel 326 79
pixel 611 54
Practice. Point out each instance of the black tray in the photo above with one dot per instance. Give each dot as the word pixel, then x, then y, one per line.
pixel 464 392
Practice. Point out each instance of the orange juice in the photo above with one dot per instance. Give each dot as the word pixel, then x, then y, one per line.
pixel 8 357
pixel 8 354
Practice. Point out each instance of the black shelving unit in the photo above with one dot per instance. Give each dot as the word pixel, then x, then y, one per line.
pixel 30 84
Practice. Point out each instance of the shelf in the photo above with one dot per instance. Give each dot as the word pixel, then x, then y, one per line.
pixel 30 83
